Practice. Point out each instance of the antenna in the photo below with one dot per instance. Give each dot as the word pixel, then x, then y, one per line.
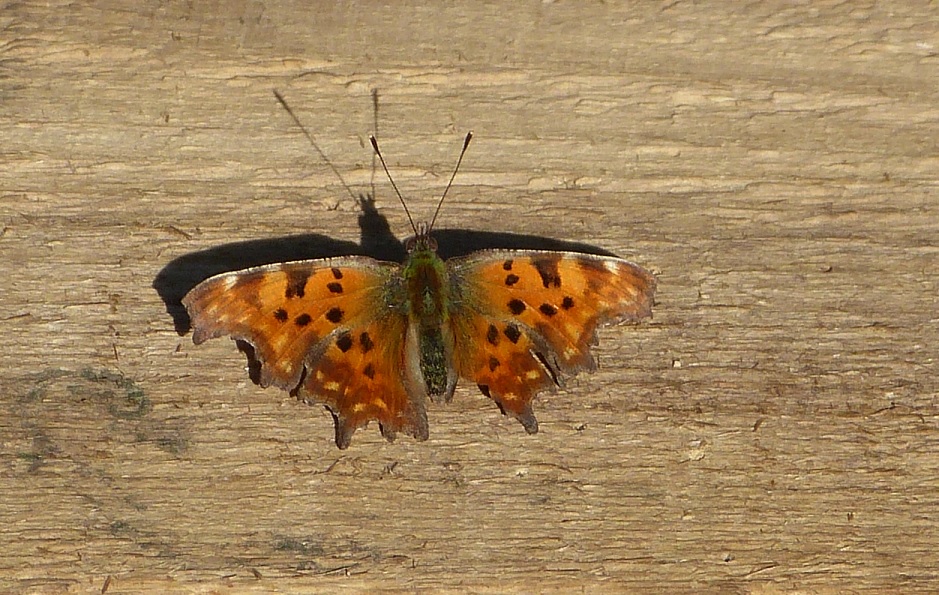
pixel 393 185
pixel 466 142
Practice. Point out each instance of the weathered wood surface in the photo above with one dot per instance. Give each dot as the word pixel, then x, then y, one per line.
pixel 774 429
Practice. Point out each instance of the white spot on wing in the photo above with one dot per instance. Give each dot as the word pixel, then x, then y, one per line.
pixel 277 342
pixel 228 281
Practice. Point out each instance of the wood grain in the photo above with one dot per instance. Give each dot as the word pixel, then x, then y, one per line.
pixel 773 429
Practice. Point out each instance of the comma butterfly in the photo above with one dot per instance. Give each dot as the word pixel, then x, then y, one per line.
pixel 372 340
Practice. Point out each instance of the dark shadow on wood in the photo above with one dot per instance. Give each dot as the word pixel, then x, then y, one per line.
pixel 452 243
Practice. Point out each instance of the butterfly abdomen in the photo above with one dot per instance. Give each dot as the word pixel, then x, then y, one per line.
pixel 433 361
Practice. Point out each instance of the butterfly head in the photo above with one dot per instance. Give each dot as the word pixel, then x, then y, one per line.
pixel 422 241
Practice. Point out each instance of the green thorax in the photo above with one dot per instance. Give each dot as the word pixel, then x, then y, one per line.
pixel 425 276
pixel 427 285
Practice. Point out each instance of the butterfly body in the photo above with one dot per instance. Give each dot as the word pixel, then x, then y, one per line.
pixel 428 297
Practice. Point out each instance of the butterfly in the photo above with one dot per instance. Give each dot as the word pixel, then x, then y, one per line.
pixel 373 340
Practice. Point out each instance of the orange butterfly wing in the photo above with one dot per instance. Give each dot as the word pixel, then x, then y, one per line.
pixel 522 318
pixel 332 330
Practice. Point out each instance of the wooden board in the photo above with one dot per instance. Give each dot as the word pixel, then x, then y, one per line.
pixel 774 429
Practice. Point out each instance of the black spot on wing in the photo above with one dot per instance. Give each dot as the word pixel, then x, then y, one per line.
pixel 511 279
pixel 280 314
pixel 493 363
pixel 334 315
pixel 334 287
pixel 547 267
pixel 369 370
pixel 516 307
pixel 366 342
pixel 512 333
pixel 296 283
pixel 302 320
pixel 507 265
pixel 567 303
pixel 337 274
pixel 492 335
pixel 547 309
pixel 344 342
